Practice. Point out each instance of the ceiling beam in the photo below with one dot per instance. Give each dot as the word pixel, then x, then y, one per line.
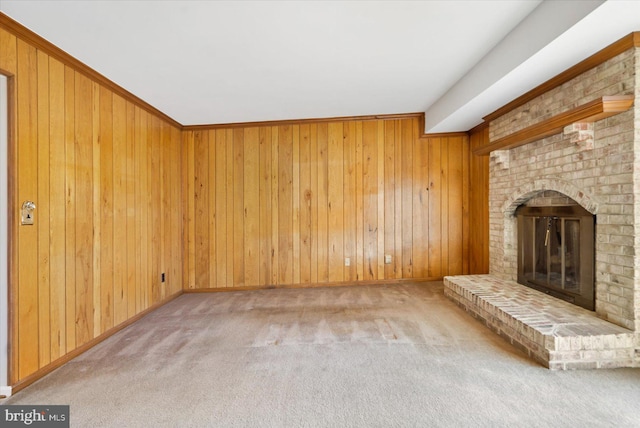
pixel 459 108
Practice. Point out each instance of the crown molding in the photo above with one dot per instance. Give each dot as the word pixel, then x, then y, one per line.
pixel 302 121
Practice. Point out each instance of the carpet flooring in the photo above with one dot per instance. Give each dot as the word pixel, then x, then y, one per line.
pixel 398 355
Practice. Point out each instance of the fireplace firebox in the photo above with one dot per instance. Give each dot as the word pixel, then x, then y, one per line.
pixel 556 252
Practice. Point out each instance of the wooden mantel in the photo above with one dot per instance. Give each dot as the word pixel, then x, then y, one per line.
pixel 598 109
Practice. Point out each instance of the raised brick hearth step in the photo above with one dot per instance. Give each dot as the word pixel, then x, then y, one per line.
pixel 558 334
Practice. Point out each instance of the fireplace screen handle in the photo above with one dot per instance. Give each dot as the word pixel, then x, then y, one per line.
pixel 546 236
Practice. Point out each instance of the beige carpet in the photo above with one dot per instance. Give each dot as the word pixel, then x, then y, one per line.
pixel 367 356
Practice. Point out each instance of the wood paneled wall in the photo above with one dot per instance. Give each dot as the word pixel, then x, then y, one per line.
pixel 123 194
pixel 104 175
pixel 283 205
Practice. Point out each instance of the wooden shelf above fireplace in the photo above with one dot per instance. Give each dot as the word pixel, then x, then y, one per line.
pixel 598 109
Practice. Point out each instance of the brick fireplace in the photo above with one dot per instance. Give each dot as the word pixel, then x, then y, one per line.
pixel 595 165
pixel 598 175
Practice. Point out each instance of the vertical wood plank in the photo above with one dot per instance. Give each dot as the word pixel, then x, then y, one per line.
pixel 313 203
pixel 174 213
pixel 398 262
pixel 275 192
pixel 381 197
pixel 106 215
pixel 444 204
pixel 221 208
pixel 335 201
pixel 155 195
pixel 148 202
pixel 295 196
pixel 57 220
pixel 151 182
pixel 161 212
pixel 70 207
pixel 201 205
pixel 304 199
pixel 407 199
pixel 455 214
pixel 421 208
pixel 285 205
pixel 265 201
pixel 84 209
pixel 251 206
pixel 323 209
pixel 360 256
pixel 138 197
pixel 97 231
pixel 465 205
pixel 165 209
pixel 184 190
pixel 177 219
pixel 370 198
pixel 238 207
pixel 107 208
pixel 231 281
pixel 131 208
pixel 43 207
pixel 389 196
pixel 213 213
pixel 435 215
pixel 350 209
pixel 119 153
pixel 478 205
pixel 191 207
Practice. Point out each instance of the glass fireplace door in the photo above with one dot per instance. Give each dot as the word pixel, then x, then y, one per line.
pixel 555 246
pixel 555 262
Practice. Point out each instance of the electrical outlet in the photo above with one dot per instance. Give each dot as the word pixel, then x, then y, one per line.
pixel 347 261
pixel 387 259
pixel 162 277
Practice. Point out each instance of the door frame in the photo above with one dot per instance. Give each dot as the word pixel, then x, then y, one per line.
pixel 7 227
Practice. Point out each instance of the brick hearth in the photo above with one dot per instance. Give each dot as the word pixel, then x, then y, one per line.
pixel 559 335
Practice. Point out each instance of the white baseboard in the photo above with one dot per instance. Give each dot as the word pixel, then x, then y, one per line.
pixel 5 390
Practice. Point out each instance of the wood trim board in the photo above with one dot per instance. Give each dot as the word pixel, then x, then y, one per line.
pixel 313 285
pixel 419 115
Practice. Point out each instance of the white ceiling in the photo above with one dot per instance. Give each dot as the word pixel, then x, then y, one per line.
pixel 208 62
